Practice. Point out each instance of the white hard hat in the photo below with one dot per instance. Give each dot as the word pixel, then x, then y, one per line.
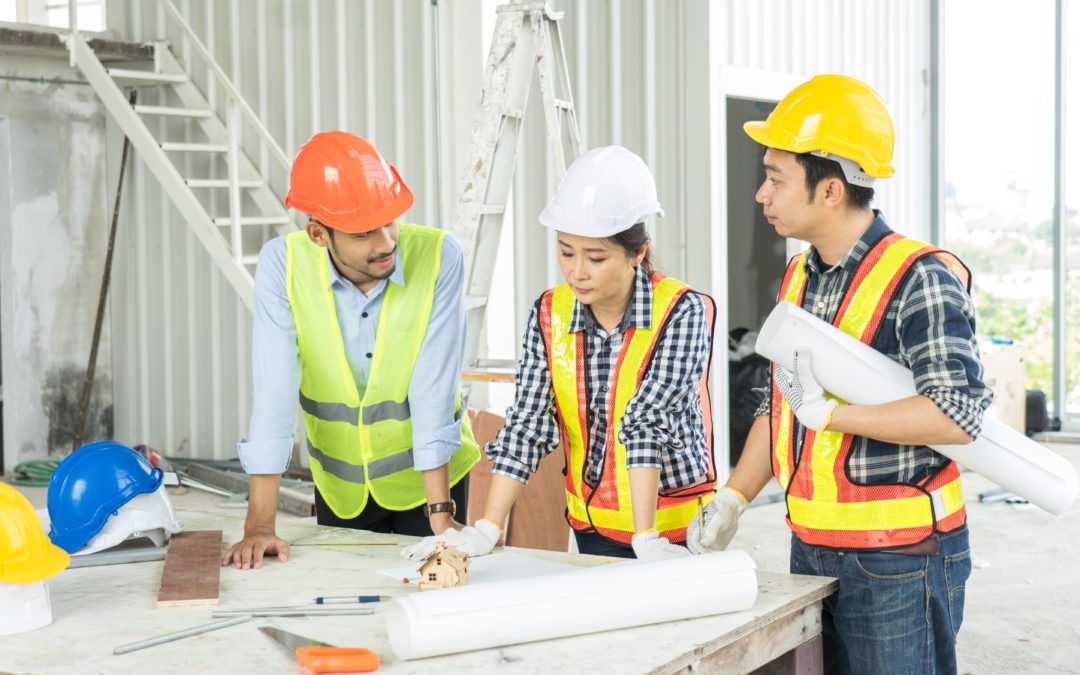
pixel 147 515
pixel 24 607
pixel 604 192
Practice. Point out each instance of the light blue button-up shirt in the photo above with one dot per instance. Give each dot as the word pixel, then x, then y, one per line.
pixel 276 361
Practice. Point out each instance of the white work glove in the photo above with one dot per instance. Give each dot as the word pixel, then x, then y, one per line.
pixel 803 393
pixel 651 546
pixel 721 517
pixel 476 540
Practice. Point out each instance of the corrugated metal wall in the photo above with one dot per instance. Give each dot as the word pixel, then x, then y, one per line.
pixel 644 74
pixel 886 43
pixel 182 337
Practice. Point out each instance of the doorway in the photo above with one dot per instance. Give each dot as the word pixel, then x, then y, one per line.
pixel 756 260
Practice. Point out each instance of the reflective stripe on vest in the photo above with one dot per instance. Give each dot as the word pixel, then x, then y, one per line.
pixel 364 446
pixel 607 507
pixel 824 507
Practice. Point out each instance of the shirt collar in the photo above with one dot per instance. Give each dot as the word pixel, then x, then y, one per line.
pixel 638 312
pixel 854 257
pixel 334 277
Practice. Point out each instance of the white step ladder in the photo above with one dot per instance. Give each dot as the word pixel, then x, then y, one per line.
pixel 526 37
pixel 232 248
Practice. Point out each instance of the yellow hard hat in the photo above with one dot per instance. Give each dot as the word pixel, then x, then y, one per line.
pixel 832 114
pixel 26 554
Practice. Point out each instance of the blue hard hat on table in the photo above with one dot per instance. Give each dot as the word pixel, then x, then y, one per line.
pixel 90 485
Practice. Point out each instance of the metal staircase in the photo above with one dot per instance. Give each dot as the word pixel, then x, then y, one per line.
pixel 193 174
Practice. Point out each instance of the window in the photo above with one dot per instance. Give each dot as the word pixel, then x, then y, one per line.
pixel 998 145
pixel 90 13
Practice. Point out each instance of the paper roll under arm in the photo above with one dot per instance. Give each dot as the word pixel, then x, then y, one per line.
pixel 860 374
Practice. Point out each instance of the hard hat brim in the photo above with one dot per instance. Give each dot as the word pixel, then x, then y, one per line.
pixel 763 134
pixel 54 563
pixel 597 228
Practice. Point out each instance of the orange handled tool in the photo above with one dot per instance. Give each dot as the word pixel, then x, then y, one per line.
pixel 319 657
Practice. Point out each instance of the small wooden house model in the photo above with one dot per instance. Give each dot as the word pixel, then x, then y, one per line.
pixel 447 567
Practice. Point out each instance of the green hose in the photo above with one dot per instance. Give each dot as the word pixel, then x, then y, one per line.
pixel 35 472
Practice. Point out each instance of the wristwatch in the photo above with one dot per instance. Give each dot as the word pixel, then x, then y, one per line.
pixel 441 507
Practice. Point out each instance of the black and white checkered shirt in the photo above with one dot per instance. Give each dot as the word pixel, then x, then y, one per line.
pixel 933 319
pixel 662 427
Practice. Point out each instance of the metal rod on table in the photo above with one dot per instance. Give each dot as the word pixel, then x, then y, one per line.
pixel 287 611
pixel 162 639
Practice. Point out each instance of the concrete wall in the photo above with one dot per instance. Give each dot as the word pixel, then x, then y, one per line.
pixel 53 237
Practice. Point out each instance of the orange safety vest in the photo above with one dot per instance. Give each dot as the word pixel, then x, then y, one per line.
pixel 606 508
pixel 825 508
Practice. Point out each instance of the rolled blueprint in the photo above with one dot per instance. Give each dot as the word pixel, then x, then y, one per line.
pixel 619 595
pixel 858 373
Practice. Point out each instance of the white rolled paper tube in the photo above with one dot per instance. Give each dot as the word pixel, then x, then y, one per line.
pixel 619 595
pixel 859 374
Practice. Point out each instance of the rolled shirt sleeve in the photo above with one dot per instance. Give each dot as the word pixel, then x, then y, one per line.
pixel 531 431
pixel 664 415
pixel 936 331
pixel 275 367
pixel 436 379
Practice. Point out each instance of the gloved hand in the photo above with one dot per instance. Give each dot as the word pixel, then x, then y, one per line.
pixel 721 517
pixel 805 396
pixel 476 540
pixel 651 546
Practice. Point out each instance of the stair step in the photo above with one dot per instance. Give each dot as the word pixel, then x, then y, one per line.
pixel 172 112
pixel 146 76
pixel 221 183
pixel 250 259
pixel 266 220
pixel 194 147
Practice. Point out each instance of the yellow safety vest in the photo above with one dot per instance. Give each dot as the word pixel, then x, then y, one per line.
pixel 825 507
pixel 606 509
pixel 361 445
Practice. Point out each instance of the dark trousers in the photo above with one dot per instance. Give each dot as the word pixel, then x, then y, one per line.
pixel 593 543
pixel 377 519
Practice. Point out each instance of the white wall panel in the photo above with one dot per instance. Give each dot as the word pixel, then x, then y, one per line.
pixel 883 42
pixel 648 74
pixel 182 337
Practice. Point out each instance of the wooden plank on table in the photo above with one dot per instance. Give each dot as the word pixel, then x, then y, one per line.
pixel 538 517
pixel 192 573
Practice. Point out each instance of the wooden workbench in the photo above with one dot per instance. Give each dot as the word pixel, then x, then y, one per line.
pixel 98 608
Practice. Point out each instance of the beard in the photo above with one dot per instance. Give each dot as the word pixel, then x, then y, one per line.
pixel 368 267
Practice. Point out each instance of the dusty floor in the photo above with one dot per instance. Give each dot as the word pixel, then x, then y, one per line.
pixel 1023 609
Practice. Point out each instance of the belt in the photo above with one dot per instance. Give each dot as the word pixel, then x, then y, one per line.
pixel 929 546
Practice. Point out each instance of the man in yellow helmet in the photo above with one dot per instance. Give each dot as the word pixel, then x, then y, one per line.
pixel 868 502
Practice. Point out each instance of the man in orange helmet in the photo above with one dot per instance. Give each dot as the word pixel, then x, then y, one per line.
pixel 868 502
pixel 364 317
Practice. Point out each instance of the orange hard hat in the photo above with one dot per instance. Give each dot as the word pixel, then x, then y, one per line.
pixel 342 181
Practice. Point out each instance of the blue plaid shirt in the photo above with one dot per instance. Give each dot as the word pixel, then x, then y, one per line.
pixel 662 427
pixel 929 327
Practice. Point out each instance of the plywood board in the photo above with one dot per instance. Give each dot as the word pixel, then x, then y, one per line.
pixel 192 573
pixel 538 518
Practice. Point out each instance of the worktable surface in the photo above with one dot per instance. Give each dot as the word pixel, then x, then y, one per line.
pixel 96 609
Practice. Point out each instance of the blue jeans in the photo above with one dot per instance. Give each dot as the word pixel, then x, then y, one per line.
pixel 893 613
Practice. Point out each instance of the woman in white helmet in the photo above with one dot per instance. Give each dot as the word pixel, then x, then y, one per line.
pixel 615 365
